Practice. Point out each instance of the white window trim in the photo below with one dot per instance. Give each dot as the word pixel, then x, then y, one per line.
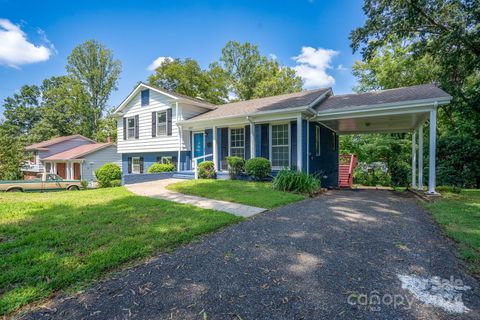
pixel 157 122
pixel 139 165
pixel 134 128
pixel 289 143
pixel 230 140
pixel 318 143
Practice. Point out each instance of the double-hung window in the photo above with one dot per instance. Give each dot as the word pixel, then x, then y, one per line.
pixel 162 123
pixel 131 128
pixel 280 146
pixel 135 164
pixel 237 142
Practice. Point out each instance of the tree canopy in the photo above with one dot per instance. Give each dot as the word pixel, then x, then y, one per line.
pixel 241 73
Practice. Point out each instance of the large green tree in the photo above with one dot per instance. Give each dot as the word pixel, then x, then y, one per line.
pixel 252 75
pixel 242 73
pixel 94 66
pixel 188 78
pixel 444 35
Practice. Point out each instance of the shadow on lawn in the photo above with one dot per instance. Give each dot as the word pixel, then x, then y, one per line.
pixel 59 246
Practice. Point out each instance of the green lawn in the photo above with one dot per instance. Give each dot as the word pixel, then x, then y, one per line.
pixel 258 194
pixel 64 240
pixel 460 216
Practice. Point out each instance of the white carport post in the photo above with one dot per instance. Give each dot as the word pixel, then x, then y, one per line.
pixel 433 146
pixel 299 143
pixel 420 157
pixel 414 159
pixel 215 155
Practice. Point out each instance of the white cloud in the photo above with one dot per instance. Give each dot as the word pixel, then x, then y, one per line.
pixel 15 50
pixel 341 67
pixel 157 62
pixel 312 65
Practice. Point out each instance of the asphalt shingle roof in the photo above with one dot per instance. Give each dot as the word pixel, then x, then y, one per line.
pixel 284 101
pixel 47 143
pixel 420 92
pixel 79 151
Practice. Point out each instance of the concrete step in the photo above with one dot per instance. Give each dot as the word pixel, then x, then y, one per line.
pixel 183 176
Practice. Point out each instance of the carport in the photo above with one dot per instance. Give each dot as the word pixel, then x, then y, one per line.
pixel 390 111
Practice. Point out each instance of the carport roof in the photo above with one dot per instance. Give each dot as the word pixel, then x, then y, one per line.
pixel 381 97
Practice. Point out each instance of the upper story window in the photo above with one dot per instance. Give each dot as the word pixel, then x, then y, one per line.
pixel 237 142
pixel 280 152
pixel 162 123
pixel 317 141
pixel 145 94
pixel 131 128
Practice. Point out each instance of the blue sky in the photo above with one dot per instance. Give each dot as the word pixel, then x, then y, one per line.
pixel 41 34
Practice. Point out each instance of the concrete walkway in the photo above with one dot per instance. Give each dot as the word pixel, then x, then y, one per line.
pixel 156 189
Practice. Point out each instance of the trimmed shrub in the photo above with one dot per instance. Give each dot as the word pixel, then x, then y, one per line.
pixel 451 189
pixel 258 168
pixel 84 184
pixel 161 167
pixel 115 183
pixel 107 173
pixel 236 166
pixel 206 170
pixel 399 172
pixel 296 181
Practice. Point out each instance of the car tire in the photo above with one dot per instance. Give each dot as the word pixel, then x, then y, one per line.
pixel 73 188
pixel 15 190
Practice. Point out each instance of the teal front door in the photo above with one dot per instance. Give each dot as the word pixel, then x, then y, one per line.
pixel 198 146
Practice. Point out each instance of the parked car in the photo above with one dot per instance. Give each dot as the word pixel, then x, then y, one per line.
pixel 42 182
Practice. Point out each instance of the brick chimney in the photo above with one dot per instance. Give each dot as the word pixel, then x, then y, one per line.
pixel 109 139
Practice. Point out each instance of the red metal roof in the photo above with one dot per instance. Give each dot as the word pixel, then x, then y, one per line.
pixel 77 152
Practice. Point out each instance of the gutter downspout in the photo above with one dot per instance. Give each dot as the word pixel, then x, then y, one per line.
pixel 180 133
pixel 252 137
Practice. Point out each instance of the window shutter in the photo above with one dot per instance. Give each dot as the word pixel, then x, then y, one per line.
pixel 129 160
pixel 136 126
pixel 169 122
pixel 141 164
pixel 154 124
pixel 125 129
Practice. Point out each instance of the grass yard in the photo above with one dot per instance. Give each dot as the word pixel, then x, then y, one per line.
pixel 459 214
pixel 257 194
pixel 64 240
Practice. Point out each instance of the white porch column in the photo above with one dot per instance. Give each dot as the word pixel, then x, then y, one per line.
pixel 420 157
pixel 414 160
pixel 179 153
pixel 432 155
pixel 299 143
pixel 69 174
pixel 252 140
pixel 215 149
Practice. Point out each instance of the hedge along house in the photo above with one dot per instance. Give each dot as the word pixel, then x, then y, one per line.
pixel 298 130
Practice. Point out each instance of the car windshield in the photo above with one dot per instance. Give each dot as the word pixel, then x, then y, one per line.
pixel 52 176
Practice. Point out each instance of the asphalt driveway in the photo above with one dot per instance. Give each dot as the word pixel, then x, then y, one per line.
pixel 314 259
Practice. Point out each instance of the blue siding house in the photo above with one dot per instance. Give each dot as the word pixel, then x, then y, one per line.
pixel 297 130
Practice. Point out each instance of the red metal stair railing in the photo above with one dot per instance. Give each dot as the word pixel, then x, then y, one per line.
pixel 348 162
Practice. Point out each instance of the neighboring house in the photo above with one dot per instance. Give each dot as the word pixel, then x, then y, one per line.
pixel 71 157
pixel 298 130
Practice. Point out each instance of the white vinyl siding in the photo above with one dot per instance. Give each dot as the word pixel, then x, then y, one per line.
pixel 95 160
pixel 145 142
pixel 280 145
pixel 237 142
